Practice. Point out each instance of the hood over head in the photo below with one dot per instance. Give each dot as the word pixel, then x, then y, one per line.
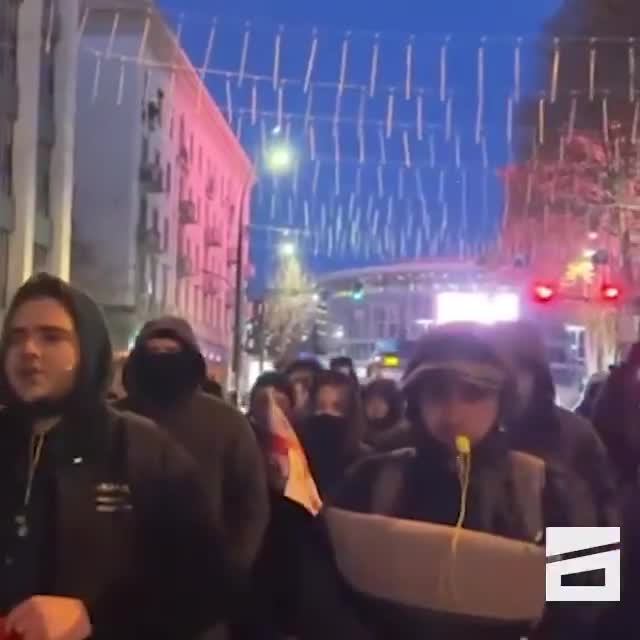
pixel 353 419
pixel 164 377
pixel 387 390
pixel 522 345
pixel 95 368
pixel 464 351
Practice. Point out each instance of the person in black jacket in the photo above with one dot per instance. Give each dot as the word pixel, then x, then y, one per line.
pixel 333 435
pixel 105 529
pixel 163 378
pixel 296 588
pixel 387 428
pixel 458 387
pixel 540 427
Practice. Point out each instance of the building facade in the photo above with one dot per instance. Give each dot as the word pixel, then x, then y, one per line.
pixel 162 188
pixel 38 55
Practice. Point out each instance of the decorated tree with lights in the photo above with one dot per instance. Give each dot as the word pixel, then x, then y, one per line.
pixel 288 307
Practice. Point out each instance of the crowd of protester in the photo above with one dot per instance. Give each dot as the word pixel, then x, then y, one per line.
pixel 167 514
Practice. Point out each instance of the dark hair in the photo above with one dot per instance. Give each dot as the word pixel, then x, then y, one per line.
pixel 355 411
pixel 278 381
pixel 213 388
pixel 304 364
pixel 389 391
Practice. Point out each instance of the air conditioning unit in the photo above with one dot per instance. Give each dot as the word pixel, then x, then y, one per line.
pixel 185 267
pixel 213 237
pixel 188 213
pixel 152 178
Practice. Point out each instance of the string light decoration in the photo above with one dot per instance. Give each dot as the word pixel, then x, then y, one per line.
pixel 398 157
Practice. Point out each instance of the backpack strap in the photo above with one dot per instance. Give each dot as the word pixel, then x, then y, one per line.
pixel 528 475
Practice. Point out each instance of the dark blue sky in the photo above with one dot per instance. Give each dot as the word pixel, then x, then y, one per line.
pixel 328 217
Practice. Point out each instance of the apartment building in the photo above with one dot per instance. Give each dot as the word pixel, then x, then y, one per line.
pixel 162 185
pixel 38 49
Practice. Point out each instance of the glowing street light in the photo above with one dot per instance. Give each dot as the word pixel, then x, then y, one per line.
pixel 279 158
pixel 288 249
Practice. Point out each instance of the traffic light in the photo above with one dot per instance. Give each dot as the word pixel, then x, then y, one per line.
pixel 610 292
pixel 357 293
pixel 543 293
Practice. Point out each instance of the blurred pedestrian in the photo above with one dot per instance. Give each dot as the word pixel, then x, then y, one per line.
pixel 302 375
pixel 333 435
pixel 213 388
pixel 387 428
pixel 587 406
pixel 540 427
pixel 296 587
pixel 163 378
pixel 345 366
pixel 105 529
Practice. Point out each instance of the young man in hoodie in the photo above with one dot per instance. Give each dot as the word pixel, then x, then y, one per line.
pixel 457 386
pixel 163 378
pixel 558 436
pixel 105 529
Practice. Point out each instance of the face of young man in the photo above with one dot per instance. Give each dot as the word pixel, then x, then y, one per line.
pixel 43 352
pixel 454 408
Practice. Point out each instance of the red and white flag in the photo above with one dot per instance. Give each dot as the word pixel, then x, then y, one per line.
pixel 287 458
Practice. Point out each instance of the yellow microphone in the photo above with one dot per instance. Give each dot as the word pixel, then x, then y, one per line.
pixel 463 445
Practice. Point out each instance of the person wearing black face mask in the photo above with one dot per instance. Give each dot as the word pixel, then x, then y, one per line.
pixel 163 378
pixel 332 436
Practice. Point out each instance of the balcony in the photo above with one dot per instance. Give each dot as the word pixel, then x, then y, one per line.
pixel 213 237
pixel 183 158
pixel 151 241
pixel 188 213
pixel 211 189
pixel 212 284
pixel 185 267
pixel 152 178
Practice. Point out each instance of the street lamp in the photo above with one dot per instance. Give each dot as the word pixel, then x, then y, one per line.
pixel 287 249
pixel 279 157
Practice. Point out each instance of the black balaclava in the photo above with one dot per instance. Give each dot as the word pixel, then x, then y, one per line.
pixel 96 357
pixel 165 378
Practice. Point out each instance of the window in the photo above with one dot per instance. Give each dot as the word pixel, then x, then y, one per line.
pixel 43 179
pixel 165 287
pixel 191 146
pixel 196 303
pixel 6 157
pixel 171 125
pixel 153 283
pixel 200 159
pixel 168 179
pixel 197 258
pixel 40 255
pixel 187 298
pixel 155 217
pixel 145 151
pixel 165 235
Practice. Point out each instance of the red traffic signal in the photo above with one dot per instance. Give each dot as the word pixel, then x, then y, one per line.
pixel 544 292
pixel 610 292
